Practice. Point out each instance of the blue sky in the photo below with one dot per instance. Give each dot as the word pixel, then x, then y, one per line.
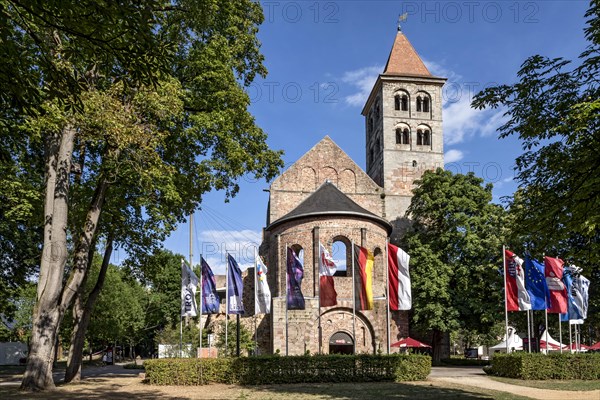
pixel 322 59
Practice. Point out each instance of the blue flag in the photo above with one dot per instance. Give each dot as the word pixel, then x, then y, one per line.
pixel 234 287
pixel 295 273
pixel 535 282
pixel 210 298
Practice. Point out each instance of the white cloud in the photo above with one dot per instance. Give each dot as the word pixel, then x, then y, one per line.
pixel 361 81
pixel 461 121
pixel 439 70
pixel 453 156
pixel 215 244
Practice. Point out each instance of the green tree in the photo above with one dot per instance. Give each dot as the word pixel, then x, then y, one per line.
pixel 455 246
pixel 554 110
pixel 246 340
pixel 147 162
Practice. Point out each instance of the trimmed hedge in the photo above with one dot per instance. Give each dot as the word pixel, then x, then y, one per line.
pixel 538 366
pixel 293 369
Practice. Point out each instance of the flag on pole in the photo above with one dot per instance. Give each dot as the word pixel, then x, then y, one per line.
pixel 235 287
pixel 327 268
pixel 517 297
pixel 581 287
pixel 295 274
pixel 210 297
pixel 189 282
pixel 262 302
pixel 535 282
pixel 577 295
pixel 363 278
pixel 553 268
pixel 398 279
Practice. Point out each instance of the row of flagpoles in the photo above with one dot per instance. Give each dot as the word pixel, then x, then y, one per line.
pixel 549 286
pixel 398 288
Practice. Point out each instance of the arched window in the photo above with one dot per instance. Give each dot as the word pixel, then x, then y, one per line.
pixel 378 145
pixel 426 104
pixel 371 125
pixel 419 103
pixel 426 138
pixel 340 252
pixel 405 136
pixel 398 135
pixel 371 154
pixel 397 102
pixel 419 137
pixel 377 109
pixel 404 102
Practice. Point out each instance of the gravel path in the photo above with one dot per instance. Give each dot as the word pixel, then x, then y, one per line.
pixel 534 393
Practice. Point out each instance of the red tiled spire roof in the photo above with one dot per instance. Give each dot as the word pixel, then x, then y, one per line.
pixel 404 60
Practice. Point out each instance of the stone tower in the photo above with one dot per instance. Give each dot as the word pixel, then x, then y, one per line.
pixel 403 124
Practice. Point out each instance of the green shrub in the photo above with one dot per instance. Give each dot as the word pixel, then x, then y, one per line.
pixel 538 366
pixel 293 369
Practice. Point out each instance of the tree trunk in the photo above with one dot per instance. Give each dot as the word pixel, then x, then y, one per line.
pixel 436 343
pixel 47 313
pixel 82 318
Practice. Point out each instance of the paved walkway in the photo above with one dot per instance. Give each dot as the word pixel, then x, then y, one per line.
pixel 475 377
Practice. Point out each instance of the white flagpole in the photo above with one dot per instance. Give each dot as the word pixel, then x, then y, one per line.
pixel 286 299
pixel 255 301
pixel 200 307
pixel 353 301
pixel 546 337
pixel 528 332
pixel 319 291
pixel 505 297
pixel 226 302
pixel 560 333
pixel 570 338
pixel 387 292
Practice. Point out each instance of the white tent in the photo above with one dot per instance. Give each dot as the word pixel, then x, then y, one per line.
pixel 514 342
pixel 547 338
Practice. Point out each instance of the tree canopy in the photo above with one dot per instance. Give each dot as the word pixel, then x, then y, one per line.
pixel 133 112
pixel 456 246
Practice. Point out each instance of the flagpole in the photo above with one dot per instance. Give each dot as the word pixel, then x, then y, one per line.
pixel 226 303
pixel 319 286
pixel 387 292
pixel 528 333
pixel 191 255
pixel 505 297
pixel 353 301
pixel 560 333
pixel 546 338
pixel 286 298
pixel 255 302
pixel 570 338
pixel 200 308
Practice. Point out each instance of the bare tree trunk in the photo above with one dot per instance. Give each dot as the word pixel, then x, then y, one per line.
pixel 84 313
pixel 47 313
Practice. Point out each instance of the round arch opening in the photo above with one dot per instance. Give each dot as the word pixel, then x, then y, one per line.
pixel 341 343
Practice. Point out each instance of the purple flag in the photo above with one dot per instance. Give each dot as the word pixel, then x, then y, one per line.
pixel 295 273
pixel 210 298
pixel 234 287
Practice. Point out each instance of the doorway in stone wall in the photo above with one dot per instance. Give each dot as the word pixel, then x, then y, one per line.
pixel 341 343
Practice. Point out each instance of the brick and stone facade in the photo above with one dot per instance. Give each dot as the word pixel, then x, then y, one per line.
pixel 404 138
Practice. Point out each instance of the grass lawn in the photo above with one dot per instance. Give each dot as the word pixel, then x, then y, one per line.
pixel 132 388
pixel 577 385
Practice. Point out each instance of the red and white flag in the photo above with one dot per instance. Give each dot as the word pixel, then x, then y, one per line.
pixel 399 279
pixel 553 268
pixel 327 268
pixel 517 296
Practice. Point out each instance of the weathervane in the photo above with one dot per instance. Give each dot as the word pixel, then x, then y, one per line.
pixel 401 18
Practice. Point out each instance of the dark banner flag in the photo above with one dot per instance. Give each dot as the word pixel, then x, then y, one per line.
pixel 210 298
pixel 295 273
pixel 234 287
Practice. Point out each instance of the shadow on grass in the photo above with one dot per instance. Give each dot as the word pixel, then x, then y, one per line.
pixel 366 391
